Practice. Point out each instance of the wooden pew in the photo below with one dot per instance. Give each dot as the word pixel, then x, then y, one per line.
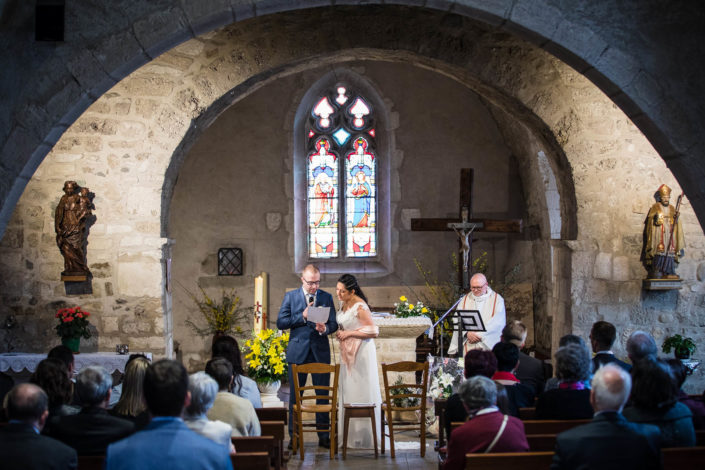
pixel 541 442
pixel 276 429
pixel 527 413
pixel 700 437
pixel 509 460
pixel 250 460
pixel 91 462
pixel 267 444
pixel 683 458
pixel 551 426
pixel 272 414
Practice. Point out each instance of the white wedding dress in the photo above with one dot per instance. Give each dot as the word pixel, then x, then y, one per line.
pixel 359 384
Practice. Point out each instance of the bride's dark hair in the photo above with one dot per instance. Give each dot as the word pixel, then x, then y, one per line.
pixel 350 283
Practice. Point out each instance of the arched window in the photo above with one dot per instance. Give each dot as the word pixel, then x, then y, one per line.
pixel 341 183
pixel 341 164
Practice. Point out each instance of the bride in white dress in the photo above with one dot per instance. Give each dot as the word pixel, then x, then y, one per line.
pixel 359 379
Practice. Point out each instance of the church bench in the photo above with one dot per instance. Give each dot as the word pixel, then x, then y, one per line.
pixel 247 444
pixel 250 460
pixel 683 458
pixel 551 426
pixel 272 414
pixel 276 429
pixel 91 462
pixel 541 442
pixel 700 437
pixel 527 413
pixel 509 460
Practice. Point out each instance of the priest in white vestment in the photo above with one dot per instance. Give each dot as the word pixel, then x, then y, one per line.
pixel 494 316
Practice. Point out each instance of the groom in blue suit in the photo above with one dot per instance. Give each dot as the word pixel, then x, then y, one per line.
pixel 308 341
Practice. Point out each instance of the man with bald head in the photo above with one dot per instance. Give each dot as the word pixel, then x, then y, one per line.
pixel 21 444
pixel 491 306
pixel 609 441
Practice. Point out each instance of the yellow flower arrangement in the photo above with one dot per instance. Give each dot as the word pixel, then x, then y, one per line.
pixel 405 309
pixel 266 359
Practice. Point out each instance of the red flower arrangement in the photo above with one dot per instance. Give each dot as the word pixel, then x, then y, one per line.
pixel 73 323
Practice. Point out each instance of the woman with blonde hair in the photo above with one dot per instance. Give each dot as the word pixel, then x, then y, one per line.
pixel 131 404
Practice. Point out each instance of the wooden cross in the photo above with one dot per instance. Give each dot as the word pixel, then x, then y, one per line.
pixel 465 224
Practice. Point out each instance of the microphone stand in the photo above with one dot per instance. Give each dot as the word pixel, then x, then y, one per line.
pixel 440 320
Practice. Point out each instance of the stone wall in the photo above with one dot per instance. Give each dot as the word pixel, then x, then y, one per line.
pixel 143 128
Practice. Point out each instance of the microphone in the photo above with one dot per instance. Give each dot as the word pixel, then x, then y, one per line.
pixel 311 299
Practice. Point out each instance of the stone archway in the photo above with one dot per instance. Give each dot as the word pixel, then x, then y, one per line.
pixel 588 39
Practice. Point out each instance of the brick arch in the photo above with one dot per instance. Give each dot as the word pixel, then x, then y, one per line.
pixel 611 46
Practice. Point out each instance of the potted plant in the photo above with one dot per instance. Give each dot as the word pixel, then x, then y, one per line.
pixel 266 359
pixel 682 347
pixel 221 317
pixel 73 325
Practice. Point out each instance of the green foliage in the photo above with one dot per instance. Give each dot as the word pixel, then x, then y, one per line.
pixel 73 323
pixel 683 347
pixel 406 402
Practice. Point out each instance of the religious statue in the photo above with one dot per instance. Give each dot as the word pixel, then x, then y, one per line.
pixel 464 231
pixel 663 237
pixel 70 219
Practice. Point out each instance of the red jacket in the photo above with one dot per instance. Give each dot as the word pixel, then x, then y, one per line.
pixel 476 435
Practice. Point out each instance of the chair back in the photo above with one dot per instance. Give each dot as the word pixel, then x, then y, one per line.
pixel 302 398
pixel 396 394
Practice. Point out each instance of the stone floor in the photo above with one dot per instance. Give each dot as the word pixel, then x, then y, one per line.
pixel 359 459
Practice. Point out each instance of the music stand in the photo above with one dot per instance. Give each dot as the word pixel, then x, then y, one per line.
pixel 470 320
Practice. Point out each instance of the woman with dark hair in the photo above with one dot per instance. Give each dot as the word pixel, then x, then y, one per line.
pixel 245 387
pixel 571 400
pixel 654 400
pixel 359 382
pixel 51 375
pixel 477 362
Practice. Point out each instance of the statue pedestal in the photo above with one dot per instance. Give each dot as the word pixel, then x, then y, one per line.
pixel 661 284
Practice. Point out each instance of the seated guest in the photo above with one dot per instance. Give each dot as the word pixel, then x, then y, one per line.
pixel 51 375
pixel 564 341
pixel 232 409
pixel 602 337
pixel 641 345
pixel 166 442
pixel 92 429
pixel 245 387
pixel 65 355
pixel 530 370
pixel 654 400
pixel 488 430
pixel 571 400
pixel 117 389
pixel 131 405
pixel 519 395
pixel 696 405
pixel 203 390
pixel 477 362
pixel 21 445
pixel 609 442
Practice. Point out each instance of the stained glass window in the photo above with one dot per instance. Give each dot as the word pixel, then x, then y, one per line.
pixel 341 225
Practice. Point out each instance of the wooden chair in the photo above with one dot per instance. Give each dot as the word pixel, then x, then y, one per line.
pixel 250 460
pixel 272 414
pixel 358 411
pixel 313 404
pixel 91 462
pixel 247 444
pixel 509 460
pixel 552 426
pixel 392 394
pixel 683 458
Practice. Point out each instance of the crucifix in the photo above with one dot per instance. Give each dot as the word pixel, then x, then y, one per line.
pixel 464 225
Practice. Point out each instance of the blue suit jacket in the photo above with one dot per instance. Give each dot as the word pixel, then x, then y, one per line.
pixel 167 443
pixel 304 337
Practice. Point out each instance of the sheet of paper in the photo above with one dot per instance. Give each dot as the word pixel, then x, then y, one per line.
pixel 318 314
